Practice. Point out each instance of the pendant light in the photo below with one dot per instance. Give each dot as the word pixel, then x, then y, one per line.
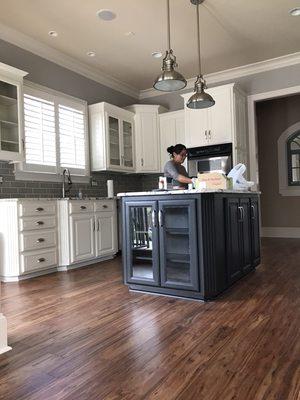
pixel 169 80
pixel 199 99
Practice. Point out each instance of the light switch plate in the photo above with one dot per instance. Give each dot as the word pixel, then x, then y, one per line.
pixel 1 179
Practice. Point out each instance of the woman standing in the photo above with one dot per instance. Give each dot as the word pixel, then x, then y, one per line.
pixel 174 168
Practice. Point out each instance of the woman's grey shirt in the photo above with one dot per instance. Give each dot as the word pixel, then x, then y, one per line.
pixel 172 170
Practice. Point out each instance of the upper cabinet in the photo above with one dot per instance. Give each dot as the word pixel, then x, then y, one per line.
pixel 172 131
pixel 225 122
pixel 11 113
pixel 111 138
pixel 147 137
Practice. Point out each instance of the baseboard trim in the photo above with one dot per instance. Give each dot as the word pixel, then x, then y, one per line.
pixel 280 232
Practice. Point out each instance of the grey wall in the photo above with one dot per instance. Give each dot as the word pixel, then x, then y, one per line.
pixel 258 83
pixel 51 75
pixel 273 118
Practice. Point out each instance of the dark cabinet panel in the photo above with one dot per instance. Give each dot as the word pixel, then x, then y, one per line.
pixel 141 241
pixel 255 234
pixel 233 220
pixel 245 236
pixel 178 244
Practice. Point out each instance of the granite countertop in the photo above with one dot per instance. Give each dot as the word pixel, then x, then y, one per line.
pixel 183 191
pixel 56 198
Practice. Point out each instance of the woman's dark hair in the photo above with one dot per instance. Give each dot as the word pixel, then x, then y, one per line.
pixel 177 149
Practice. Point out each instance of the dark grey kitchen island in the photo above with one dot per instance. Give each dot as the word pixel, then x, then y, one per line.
pixel 188 243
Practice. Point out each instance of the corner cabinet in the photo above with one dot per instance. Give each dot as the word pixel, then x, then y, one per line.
pixel 11 113
pixel 189 245
pixel 147 141
pixel 112 139
pixel 225 122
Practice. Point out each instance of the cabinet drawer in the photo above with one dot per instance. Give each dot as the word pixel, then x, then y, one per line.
pixel 79 207
pixel 37 240
pixel 37 223
pixel 41 260
pixel 104 205
pixel 28 209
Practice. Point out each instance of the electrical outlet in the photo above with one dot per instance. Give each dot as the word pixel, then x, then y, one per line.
pixel 1 179
pixel 94 183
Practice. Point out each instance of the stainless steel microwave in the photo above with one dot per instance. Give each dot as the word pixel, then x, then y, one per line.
pixel 215 158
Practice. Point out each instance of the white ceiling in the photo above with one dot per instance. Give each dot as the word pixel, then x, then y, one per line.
pixel 234 33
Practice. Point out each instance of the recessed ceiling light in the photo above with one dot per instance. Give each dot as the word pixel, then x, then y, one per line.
pixel 156 54
pixel 53 33
pixel 106 15
pixel 91 53
pixel 295 12
pixel 130 33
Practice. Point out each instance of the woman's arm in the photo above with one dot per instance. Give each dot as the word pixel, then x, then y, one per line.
pixel 184 179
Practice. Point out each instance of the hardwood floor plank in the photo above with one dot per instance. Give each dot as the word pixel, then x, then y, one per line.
pixel 83 335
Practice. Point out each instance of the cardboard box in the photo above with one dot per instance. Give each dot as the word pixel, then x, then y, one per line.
pixel 214 180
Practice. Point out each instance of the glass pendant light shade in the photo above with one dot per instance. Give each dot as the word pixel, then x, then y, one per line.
pixel 169 80
pixel 200 99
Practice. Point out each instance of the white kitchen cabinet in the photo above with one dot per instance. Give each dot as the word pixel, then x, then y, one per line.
pixel 147 141
pixel 82 237
pixel 28 230
pixel 111 138
pixel 225 122
pixel 172 131
pixel 105 234
pixel 87 231
pixel 11 113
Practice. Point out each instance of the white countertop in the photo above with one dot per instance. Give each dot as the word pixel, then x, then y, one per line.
pixel 54 199
pixel 183 191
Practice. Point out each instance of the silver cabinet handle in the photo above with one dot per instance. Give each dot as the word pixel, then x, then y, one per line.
pixel 142 162
pixel 39 223
pixel 240 213
pixel 160 218
pixel 42 259
pixel 83 207
pixel 206 134
pixel 94 225
pixel 40 240
pixel 252 212
pixel 153 218
pixel 98 226
pixel 39 209
pixel 209 134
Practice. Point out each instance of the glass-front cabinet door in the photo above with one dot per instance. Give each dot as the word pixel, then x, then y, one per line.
pixel 10 146
pixel 114 141
pixel 127 144
pixel 142 243
pixel 178 244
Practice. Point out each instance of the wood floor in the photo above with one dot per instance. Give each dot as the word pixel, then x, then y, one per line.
pixel 82 336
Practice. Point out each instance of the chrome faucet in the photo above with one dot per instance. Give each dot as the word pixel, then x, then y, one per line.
pixel 66 172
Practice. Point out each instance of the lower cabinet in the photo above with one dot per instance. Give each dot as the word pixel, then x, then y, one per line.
pixel 193 245
pixel 161 245
pixel 82 237
pixel 242 236
pixel 87 230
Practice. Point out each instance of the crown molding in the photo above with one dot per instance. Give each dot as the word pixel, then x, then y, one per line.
pixel 49 53
pixel 234 73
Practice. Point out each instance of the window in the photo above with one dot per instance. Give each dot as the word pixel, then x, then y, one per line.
pixel 289 161
pixel 56 137
pixel 293 159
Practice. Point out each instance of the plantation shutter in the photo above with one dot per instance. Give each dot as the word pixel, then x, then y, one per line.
pixel 40 136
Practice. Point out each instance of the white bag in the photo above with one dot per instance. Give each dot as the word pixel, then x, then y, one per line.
pixel 238 181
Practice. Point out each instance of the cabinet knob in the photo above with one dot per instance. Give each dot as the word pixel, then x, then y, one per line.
pixel 39 223
pixel 39 209
pixel 83 207
pixel 40 240
pixel 40 260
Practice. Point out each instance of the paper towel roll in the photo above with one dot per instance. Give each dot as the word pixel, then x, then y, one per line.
pixel 110 188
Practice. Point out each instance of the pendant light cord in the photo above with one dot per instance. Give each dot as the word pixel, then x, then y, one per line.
pixel 198 31
pixel 168 31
